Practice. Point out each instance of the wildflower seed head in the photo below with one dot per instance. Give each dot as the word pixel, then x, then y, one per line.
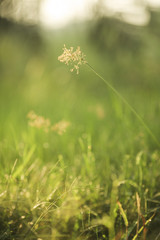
pixel 38 121
pixel 60 127
pixel 73 58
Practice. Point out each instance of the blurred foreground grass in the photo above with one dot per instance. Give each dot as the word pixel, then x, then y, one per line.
pixel 67 186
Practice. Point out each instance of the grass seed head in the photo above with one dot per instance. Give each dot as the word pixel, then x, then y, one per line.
pixel 73 58
pixel 60 127
pixel 38 121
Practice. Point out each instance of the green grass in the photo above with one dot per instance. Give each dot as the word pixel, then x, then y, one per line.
pixel 67 186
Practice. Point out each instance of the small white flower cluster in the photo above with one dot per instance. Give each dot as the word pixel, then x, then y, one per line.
pixel 45 124
pixel 73 58
pixel 38 121
pixel 60 127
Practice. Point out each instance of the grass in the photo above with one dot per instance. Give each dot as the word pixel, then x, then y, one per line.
pixel 84 183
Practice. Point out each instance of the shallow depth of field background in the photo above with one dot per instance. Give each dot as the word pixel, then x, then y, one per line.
pixel 56 186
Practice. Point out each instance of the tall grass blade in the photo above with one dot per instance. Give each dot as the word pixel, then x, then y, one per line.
pixel 27 157
pixel 127 104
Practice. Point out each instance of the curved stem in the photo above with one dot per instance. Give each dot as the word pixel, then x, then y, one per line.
pixel 128 105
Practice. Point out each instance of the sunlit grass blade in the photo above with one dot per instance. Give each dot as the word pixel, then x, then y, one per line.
pixel 127 104
pixel 143 227
pixel 26 159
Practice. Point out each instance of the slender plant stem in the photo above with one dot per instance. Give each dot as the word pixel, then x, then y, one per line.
pixel 127 104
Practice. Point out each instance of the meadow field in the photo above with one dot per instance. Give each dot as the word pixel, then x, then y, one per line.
pixel 75 161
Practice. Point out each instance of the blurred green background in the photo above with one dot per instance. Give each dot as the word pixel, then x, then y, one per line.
pixel 127 55
pixel 105 140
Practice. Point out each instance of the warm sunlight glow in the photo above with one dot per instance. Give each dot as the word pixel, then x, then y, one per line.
pixel 58 13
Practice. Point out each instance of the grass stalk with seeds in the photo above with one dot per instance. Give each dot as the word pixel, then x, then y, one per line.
pixel 77 58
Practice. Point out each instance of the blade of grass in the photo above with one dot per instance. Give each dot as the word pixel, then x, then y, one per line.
pixel 127 104
pixel 27 157
pixel 142 228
